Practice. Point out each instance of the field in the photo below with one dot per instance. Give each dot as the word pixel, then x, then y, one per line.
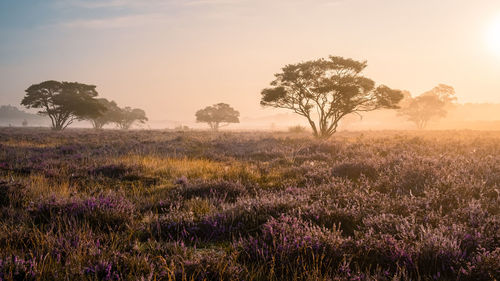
pixel 153 205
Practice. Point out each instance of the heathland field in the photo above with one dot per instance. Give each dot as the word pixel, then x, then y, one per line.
pixel 153 205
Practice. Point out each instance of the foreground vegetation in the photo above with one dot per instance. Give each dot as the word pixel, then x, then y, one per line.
pixel 114 205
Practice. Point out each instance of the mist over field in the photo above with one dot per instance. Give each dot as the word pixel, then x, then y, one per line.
pixel 469 116
pixel 249 140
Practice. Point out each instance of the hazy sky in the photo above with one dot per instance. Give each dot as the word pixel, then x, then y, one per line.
pixel 173 57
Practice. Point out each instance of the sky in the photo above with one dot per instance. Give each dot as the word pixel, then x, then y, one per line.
pixel 173 57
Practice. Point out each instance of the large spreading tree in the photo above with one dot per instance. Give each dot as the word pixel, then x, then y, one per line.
pixel 218 115
pixel 430 105
pixel 63 102
pixel 326 90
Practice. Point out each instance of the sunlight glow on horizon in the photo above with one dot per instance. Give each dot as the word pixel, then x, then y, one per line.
pixel 173 57
pixel 493 36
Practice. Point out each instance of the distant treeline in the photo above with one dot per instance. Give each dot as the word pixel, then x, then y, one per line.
pixel 477 116
pixel 9 112
pixel 13 116
pixel 328 94
pixel 476 111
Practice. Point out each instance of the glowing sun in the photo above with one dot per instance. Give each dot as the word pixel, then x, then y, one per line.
pixel 493 36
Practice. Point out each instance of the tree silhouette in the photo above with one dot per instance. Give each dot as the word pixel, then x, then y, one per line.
pixel 218 115
pixel 444 92
pixel 63 102
pixel 128 116
pixel 430 105
pixel 112 114
pixel 326 90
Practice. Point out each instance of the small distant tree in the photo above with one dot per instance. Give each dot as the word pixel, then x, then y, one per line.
pixel 430 105
pixel 326 90
pixel 298 129
pixel 218 115
pixel 63 102
pixel 182 128
pixel 25 123
pixel 111 114
pixel 128 116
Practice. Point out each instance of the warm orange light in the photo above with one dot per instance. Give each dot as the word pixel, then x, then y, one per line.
pixel 493 36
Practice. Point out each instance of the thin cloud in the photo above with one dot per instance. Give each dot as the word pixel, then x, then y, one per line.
pixel 333 3
pixel 117 22
pixel 127 4
pixel 154 4
pixel 212 2
pixel 154 12
pixel 98 4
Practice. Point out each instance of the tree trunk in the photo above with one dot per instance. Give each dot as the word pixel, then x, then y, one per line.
pixel 214 126
pixel 57 127
pixel 313 125
pixel 97 125
pixel 325 135
pixel 60 122
pixel 326 130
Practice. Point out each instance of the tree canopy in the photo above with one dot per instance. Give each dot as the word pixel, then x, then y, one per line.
pixel 127 116
pixel 444 92
pixel 63 102
pixel 218 115
pixel 326 90
pixel 430 105
pixel 112 114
